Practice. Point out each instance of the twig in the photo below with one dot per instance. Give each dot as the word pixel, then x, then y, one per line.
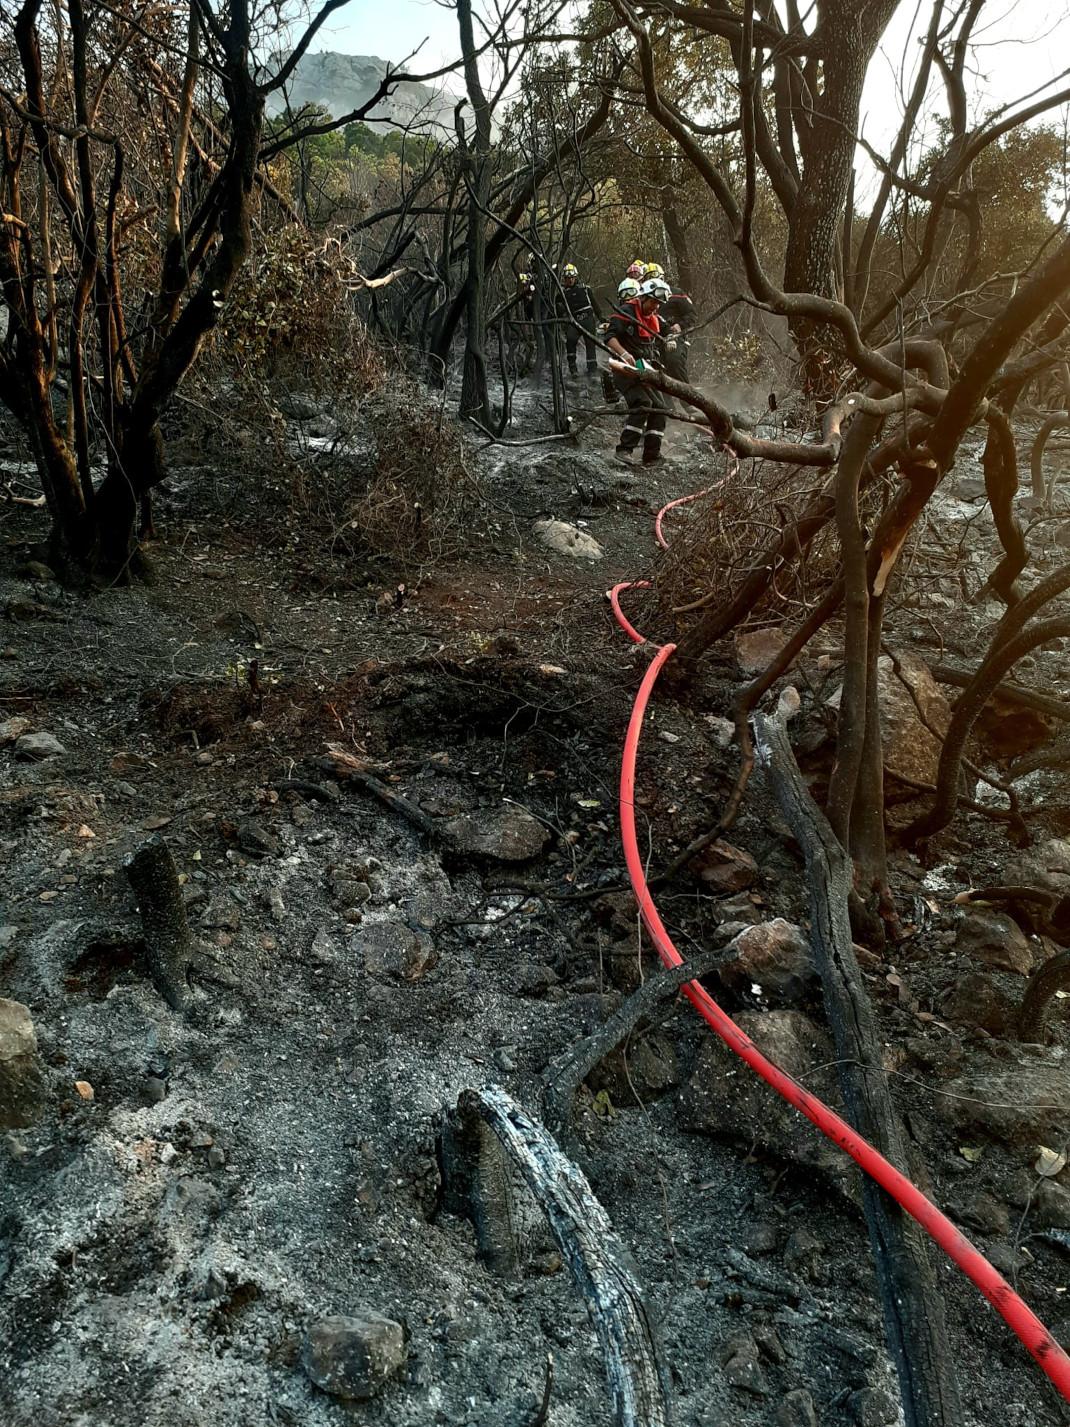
pixel 564 1075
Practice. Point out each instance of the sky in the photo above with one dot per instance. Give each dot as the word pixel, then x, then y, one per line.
pixel 1020 45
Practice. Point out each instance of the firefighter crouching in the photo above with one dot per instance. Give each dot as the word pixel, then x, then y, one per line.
pixel 633 335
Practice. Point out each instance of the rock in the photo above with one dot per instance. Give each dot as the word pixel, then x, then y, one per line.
pixel 995 939
pixel 723 1097
pixel 976 1000
pixel 298 405
pixel 970 488
pixel 565 539
pixel 769 1344
pixel 222 913
pixel 746 1373
pixel 1006 730
pixel 723 729
pixel 757 649
pixel 13 728
pixel 36 747
pixel 1005 1259
pixel 986 1214
pixel 8 934
pixel 154 1089
pixel 738 909
pixel 1046 866
pixel 761 1239
pixel 24 610
pixel 256 840
pixel 805 1254
pixel 536 980
pixel 909 747
pixel 323 950
pixel 773 955
pixel 796 1409
pixel 1025 1104
pixel 506 834
pixel 126 762
pixel 725 869
pixel 353 1357
pixel 35 570
pixel 22 1084
pixel 647 1069
pixel 395 950
pixel 1050 1207
pixel 869 1407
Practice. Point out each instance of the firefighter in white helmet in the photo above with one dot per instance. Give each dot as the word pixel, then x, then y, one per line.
pixel 633 335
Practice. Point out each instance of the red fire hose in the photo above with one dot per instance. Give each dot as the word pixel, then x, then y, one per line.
pixel 1014 1311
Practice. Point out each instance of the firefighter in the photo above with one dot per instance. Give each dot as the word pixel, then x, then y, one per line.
pixel 636 270
pixel 582 311
pixel 676 316
pixel 652 270
pixel 632 335
pixel 628 289
pixel 523 345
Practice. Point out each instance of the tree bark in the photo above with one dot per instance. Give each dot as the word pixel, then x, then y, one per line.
pixel 592 1249
pixel 910 1296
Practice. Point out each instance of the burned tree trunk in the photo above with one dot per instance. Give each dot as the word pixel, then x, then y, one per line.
pixel 154 879
pixel 910 1296
pixel 589 1245
pixel 475 159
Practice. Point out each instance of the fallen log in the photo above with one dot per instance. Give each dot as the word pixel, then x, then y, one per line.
pixel 911 1300
pixel 589 1245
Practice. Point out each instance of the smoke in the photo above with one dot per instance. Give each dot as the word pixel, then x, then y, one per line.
pixel 748 398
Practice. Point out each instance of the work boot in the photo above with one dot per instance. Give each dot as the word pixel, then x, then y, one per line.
pixel 573 370
pixel 625 454
pixel 653 458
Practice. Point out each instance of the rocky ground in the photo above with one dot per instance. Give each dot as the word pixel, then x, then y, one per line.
pixel 233 1212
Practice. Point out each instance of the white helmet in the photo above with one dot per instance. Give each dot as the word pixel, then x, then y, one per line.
pixel 629 288
pixel 656 287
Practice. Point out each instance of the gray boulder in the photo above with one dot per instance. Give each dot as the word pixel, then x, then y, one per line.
pixel 355 1356
pixel 723 1097
pixel 36 747
pixel 506 834
pixel 773 955
pixel 1024 1103
pixel 994 939
pixel 565 539
pixel 395 950
pixel 22 1082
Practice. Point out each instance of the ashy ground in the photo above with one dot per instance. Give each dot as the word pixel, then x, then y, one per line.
pixel 203 1186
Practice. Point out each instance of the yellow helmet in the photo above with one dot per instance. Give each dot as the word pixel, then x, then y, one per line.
pixel 653 270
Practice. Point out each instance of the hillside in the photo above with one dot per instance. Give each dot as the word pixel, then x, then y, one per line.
pixel 341 83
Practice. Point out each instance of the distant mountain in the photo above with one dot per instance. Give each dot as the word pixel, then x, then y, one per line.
pixel 342 83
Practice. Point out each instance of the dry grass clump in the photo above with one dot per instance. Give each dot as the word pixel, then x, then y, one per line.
pixel 717 542
pixel 421 494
